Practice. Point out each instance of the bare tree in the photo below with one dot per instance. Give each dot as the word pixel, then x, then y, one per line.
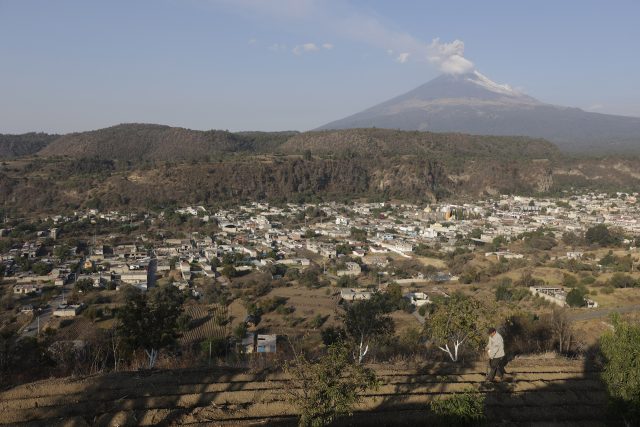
pixel 562 329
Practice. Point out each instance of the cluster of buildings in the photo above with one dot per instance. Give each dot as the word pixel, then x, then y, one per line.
pixel 259 235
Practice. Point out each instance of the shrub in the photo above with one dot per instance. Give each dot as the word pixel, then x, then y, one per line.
pixel 607 290
pixel 503 293
pixel 422 310
pixel 620 280
pixel 327 388
pixel 588 280
pixel 569 280
pixel 621 350
pixel 461 409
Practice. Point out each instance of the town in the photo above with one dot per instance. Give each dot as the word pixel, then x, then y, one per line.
pixel 253 275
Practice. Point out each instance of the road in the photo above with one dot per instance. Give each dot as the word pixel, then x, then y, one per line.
pixel 590 314
pixel 31 330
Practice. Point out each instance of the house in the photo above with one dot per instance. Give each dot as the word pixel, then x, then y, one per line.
pixel 133 277
pixel 26 309
pixel 574 255
pixel 266 343
pixel 355 294
pixel 26 289
pixel 504 254
pixel 325 249
pixel 67 310
pixel 417 299
pixel 590 303
pixel 351 269
pixel 557 296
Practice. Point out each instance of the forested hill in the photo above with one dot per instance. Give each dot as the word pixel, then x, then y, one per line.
pixel 137 143
pixel 392 143
pixel 149 142
pixel 12 146
pixel 151 166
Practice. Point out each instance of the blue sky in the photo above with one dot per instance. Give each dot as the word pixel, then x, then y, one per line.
pixel 73 65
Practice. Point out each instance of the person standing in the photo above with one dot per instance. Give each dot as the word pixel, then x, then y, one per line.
pixel 495 350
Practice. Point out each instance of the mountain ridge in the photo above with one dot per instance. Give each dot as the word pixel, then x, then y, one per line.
pixel 471 103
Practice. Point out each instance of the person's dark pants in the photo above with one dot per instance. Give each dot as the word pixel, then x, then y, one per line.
pixel 496 366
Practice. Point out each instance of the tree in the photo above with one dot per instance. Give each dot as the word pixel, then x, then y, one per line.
pixel 621 375
pixel 61 252
pixel 41 268
pixel 365 321
pixel 620 280
pixel 562 329
pixel 576 297
pixel 328 387
pixel 229 271
pixel 150 321
pixel 600 235
pixel 455 322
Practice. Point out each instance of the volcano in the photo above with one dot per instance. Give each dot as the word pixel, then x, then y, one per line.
pixel 472 103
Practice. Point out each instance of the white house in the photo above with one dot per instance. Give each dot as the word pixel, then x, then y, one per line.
pixel 355 294
pixel 266 343
pixel 417 299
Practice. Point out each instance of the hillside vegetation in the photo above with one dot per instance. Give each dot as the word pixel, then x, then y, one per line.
pixel 140 142
pixel 391 143
pixel 151 167
pixel 12 146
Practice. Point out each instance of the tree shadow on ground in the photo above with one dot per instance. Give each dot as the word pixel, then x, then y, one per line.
pixel 550 392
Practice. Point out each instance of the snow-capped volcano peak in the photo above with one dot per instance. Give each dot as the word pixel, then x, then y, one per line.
pixel 485 82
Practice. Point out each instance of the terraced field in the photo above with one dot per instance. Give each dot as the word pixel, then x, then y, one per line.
pixel 207 323
pixel 541 392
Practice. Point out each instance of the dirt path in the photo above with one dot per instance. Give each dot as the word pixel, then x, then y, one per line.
pixel 603 312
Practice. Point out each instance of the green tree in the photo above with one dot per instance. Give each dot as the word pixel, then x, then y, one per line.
pixel 456 322
pixel 329 387
pixel 367 321
pixel 61 252
pixel 576 297
pixel 149 321
pixel 41 268
pixel 621 350
pixel 600 235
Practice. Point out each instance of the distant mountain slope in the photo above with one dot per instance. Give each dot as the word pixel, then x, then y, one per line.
pixel 139 142
pixel 392 143
pixel 26 144
pixel 471 103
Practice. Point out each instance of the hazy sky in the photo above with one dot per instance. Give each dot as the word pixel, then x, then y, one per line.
pixel 72 65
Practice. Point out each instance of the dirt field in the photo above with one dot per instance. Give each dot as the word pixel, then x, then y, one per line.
pixel 552 391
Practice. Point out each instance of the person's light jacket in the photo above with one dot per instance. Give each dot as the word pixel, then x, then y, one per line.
pixel 495 348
